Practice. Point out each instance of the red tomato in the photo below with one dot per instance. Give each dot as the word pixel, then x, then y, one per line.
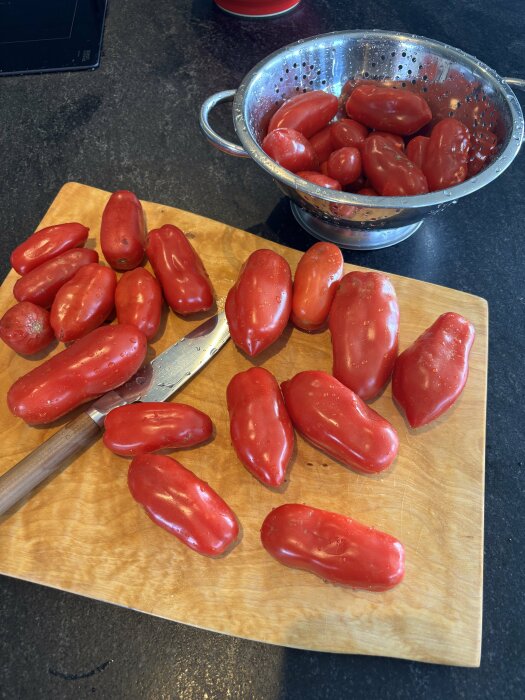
pixel 447 154
pixel 47 243
pixel 364 325
pixel 322 143
pixel 258 305
pixel 260 427
pixel 179 269
pixel 290 149
pixel 307 112
pixel 389 171
pixel 146 427
pixel 324 169
pixel 181 503
pixel 315 283
pixel 416 150
pixel 84 302
pixel 344 165
pixel 389 109
pixel 41 284
pixel 122 231
pixel 368 192
pixel 93 365
pixel 483 146
pixel 338 422
pixel 334 547
pixel 25 328
pixel 430 374
pixel 348 132
pixel 396 140
pixel 319 179
pixel 138 300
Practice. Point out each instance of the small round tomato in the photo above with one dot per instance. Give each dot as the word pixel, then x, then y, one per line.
pixel 416 150
pixel 389 109
pixel 390 172
pixel 47 243
pixel 315 283
pixel 322 143
pixel 26 329
pixel 290 149
pixel 348 132
pixel 319 179
pixel 344 165
pixel 138 300
pixel 307 112
pixel 447 154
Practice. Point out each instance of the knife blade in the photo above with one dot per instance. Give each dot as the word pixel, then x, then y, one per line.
pixel 155 381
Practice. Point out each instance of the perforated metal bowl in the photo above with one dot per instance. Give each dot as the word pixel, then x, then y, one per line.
pixel 453 83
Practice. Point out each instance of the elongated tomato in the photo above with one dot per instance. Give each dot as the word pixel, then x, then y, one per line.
pixel 315 283
pixel 260 427
pixel 338 422
pixel 41 284
pixel 146 427
pixel 431 373
pixel 364 325
pixel 388 109
pixel 333 546
pixel 138 300
pixel 258 305
pixel 181 503
pixel 179 269
pixel 307 113
pixel 47 243
pixel 84 302
pixel 122 231
pixel 93 365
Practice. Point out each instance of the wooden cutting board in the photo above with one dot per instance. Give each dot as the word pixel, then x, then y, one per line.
pixel 83 533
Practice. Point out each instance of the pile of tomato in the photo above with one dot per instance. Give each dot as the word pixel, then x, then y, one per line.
pixel 375 140
pixel 65 293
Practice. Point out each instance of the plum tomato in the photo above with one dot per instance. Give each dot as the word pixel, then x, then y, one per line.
pixel 307 112
pixel 344 165
pixel 290 149
pixel 395 110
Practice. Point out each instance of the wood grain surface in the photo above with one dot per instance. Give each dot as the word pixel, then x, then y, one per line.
pixel 82 532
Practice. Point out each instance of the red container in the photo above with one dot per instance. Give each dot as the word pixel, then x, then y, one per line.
pixel 257 8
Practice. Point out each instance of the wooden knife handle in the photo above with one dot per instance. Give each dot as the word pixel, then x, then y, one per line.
pixel 20 480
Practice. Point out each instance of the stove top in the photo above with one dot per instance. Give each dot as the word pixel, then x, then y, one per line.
pixel 37 36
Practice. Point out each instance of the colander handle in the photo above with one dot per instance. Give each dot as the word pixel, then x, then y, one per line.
pixel 213 137
pixel 516 82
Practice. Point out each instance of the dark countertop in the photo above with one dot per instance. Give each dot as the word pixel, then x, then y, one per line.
pixel 133 123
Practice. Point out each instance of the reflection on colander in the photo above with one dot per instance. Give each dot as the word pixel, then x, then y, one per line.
pixel 453 83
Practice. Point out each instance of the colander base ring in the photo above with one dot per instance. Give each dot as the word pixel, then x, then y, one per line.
pixel 351 238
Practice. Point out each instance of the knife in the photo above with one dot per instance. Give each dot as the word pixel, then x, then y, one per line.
pixel 155 381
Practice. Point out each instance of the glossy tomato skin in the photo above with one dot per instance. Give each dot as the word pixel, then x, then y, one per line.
pixel 348 132
pixel 431 373
pixel 338 422
pixel 138 300
pixel 180 271
pixel 344 165
pixel 93 365
pixel 333 546
pixel 389 109
pixel 364 325
pixel 182 504
pixel 307 112
pixel 47 243
pixel 396 140
pixel 319 179
pixel 84 302
pixel 258 306
pixel 41 284
pixel 416 150
pixel 316 280
pixel 390 172
pixel 260 427
pixel 368 192
pixel 446 159
pixel 290 149
pixel 26 329
pixel 143 427
pixel 122 231
pixel 322 143
pixel 483 146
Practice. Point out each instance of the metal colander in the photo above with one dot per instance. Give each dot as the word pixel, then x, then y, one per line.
pixel 453 83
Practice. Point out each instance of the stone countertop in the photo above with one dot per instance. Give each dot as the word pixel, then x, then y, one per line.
pixel 133 124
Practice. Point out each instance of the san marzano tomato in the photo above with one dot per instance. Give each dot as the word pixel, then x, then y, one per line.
pixel 389 109
pixel 122 231
pixel 390 172
pixel 290 149
pixel 138 300
pixel 446 157
pixel 46 244
pixel 333 546
pixel 307 113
